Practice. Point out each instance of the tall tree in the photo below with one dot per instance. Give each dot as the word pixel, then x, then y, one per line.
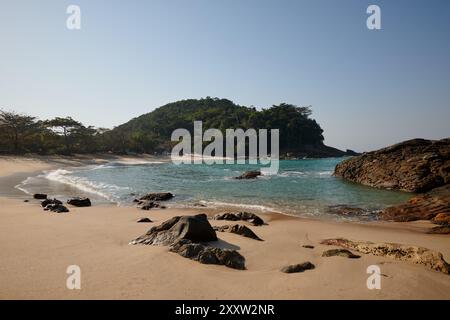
pixel 65 127
pixel 16 127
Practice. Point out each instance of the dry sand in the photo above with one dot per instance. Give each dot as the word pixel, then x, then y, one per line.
pixel 36 247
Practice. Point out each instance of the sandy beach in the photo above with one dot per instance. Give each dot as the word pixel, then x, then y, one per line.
pixel 36 247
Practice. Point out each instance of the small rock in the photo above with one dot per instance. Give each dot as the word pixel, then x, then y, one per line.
pixel 249 175
pixel 158 196
pixel 46 202
pixel 298 267
pixel 79 202
pixel 340 252
pixel 144 220
pixel 58 208
pixel 26 200
pixel 308 246
pixel 40 196
pixel 238 229
pixel 147 205
pixel 246 216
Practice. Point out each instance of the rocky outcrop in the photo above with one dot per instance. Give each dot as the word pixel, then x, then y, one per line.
pixel 195 228
pixel 238 229
pixel 418 255
pixel 341 253
pixel 209 255
pixel 415 166
pixel 79 202
pixel 245 216
pixel 433 205
pixel 298 267
pixel 39 196
pixel 249 175
pixel 157 196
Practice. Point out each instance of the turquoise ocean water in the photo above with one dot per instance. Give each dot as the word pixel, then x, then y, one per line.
pixel 301 187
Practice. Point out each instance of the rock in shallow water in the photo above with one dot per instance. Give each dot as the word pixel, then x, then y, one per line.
pixel 157 196
pixel 40 196
pixel 46 202
pixel 249 175
pixel 418 255
pixel 240 230
pixel 298 267
pixel 209 255
pixel 58 208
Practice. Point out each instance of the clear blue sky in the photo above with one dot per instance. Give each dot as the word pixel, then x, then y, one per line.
pixel 368 88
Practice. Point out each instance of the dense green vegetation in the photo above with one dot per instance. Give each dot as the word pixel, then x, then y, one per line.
pixel 151 132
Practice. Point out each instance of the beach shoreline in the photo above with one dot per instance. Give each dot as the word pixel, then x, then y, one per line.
pixel 37 247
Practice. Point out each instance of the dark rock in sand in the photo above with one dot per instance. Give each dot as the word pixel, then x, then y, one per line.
pixel 341 253
pixel 147 204
pixel 440 230
pixel 79 202
pixel 432 205
pixel 238 229
pixel 26 200
pixel 418 255
pixel 209 255
pixel 246 216
pixel 416 165
pixel 58 208
pixel 195 228
pixel 298 267
pixel 158 196
pixel 308 246
pixel 40 196
pixel 144 220
pixel 249 175
pixel 46 202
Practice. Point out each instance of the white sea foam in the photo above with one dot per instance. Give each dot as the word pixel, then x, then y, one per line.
pixel 239 205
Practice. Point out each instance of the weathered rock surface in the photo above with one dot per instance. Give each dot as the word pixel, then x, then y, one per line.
pixel 246 216
pixel 195 228
pixel 79 202
pixel 432 205
pixel 58 208
pixel 157 196
pixel 298 267
pixel 249 175
pixel 440 230
pixel 341 253
pixel 418 255
pixel 209 255
pixel 238 229
pixel 46 202
pixel 40 196
pixel 144 220
pixel 416 165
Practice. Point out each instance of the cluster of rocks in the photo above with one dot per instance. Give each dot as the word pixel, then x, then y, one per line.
pixel 151 200
pixel 238 229
pixel 190 237
pixel 245 216
pixel 420 166
pixel 55 205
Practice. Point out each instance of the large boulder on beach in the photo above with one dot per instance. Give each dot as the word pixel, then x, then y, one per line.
pixel 79 202
pixel 209 255
pixel 194 228
pixel 434 205
pixel 157 196
pixel 249 175
pixel 416 165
